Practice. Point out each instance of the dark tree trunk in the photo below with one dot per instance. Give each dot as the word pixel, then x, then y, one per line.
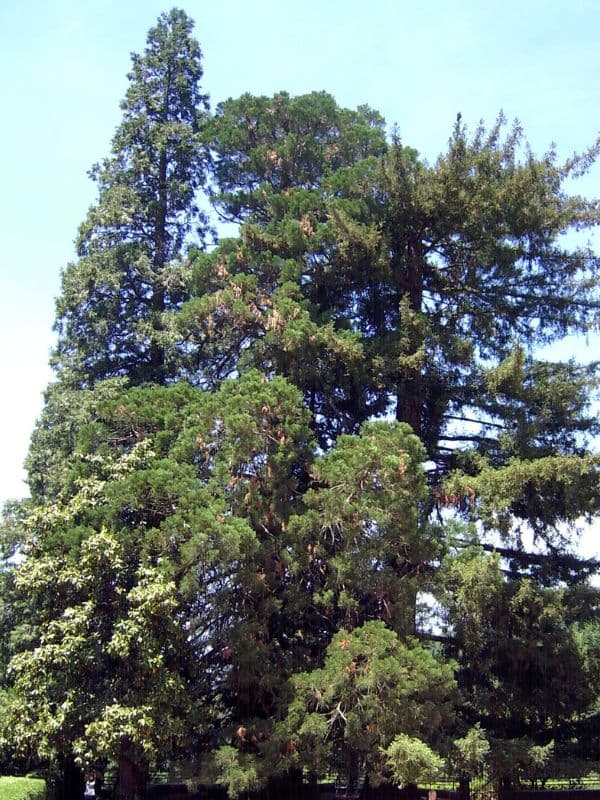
pixel 411 791
pixel 505 791
pixel 464 788
pixel 308 792
pixel 72 783
pixel 132 779
pixel 290 786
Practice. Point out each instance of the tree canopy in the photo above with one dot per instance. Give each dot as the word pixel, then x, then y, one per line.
pixel 110 313
pixel 266 465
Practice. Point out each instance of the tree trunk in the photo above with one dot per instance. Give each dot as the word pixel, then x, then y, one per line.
pixel 72 782
pixel 309 792
pixel 505 790
pixel 132 780
pixel 464 788
pixel 290 785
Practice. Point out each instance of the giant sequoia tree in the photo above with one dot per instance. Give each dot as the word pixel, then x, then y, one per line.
pixel 131 269
pixel 384 286
pixel 110 314
pixel 259 460
pixel 415 290
pixel 93 591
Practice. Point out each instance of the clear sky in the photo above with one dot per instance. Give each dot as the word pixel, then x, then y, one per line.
pixel 64 62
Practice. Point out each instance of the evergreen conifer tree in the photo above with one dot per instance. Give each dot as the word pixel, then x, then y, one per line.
pixel 92 587
pixel 257 460
pixel 110 315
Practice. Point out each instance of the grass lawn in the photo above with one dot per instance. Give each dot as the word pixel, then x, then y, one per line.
pixel 22 789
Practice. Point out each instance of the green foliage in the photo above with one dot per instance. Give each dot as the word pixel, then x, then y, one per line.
pixel 8 709
pixel 100 677
pixel 272 153
pixel 471 751
pixel 258 462
pixel 236 771
pixel 110 314
pixel 411 761
pixel 525 762
pixel 165 521
pixel 371 688
pixel 548 492
pixel 538 759
pixel 66 411
pixel 364 520
pixel 523 669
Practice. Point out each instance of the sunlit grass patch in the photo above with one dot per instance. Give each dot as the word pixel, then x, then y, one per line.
pixel 22 788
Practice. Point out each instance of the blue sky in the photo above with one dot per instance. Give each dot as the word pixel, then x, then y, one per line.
pixel 64 64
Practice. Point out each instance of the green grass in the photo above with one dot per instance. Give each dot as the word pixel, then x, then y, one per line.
pixel 589 781
pixel 22 789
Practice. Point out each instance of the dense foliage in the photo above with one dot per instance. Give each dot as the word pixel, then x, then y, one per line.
pixel 109 315
pixel 269 476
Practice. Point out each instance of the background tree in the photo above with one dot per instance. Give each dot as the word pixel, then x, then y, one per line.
pixel 110 313
pixel 110 320
pixel 524 671
pixel 420 290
